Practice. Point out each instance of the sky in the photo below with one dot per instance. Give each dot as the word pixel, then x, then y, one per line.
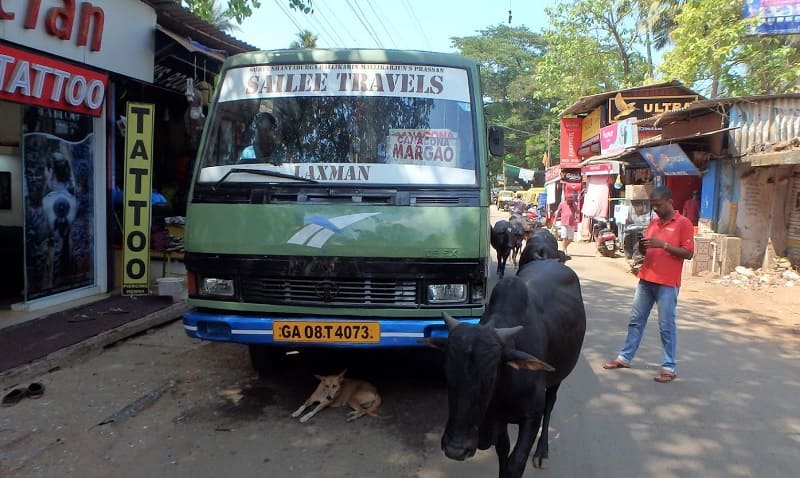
pixel 398 24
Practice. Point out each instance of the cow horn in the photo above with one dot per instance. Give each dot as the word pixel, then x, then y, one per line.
pixel 507 333
pixel 450 321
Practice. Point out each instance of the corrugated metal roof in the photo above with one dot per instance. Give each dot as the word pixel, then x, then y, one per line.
pixel 719 105
pixel 173 16
pixel 587 103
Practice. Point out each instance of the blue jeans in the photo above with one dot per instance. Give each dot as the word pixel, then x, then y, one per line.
pixel 647 294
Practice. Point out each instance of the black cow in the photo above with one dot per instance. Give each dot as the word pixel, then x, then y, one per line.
pixel 502 240
pixel 541 244
pixel 518 235
pixel 507 369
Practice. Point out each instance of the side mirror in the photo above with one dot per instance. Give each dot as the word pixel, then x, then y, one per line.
pixel 496 141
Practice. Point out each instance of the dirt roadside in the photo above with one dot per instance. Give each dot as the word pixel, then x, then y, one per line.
pixel 772 311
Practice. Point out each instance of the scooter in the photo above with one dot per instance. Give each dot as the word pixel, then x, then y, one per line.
pixel 605 237
pixel 631 236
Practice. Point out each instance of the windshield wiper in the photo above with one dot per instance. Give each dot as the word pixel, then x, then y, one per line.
pixel 261 172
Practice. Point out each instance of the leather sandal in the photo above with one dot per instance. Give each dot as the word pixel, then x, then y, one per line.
pixel 13 397
pixel 665 376
pixel 616 363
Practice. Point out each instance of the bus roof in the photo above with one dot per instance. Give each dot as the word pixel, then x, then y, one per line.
pixel 346 55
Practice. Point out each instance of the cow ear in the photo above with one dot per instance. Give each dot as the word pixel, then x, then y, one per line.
pixel 507 334
pixel 435 342
pixel 517 359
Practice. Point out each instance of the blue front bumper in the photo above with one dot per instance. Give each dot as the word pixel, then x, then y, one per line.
pixel 257 329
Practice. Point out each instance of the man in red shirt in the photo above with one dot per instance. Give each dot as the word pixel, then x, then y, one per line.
pixel 669 240
pixel 691 208
pixel 568 213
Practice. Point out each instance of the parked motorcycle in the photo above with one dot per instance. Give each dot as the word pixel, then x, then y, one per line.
pixel 604 236
pixel 631 236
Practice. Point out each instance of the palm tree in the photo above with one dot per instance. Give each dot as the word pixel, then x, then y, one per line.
pixel 213 13
pixel 305 39
pixel 220 18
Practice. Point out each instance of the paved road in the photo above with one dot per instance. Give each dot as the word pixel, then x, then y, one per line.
pixel 731 413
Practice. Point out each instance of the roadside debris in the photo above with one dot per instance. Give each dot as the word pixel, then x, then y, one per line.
pixel 140 404
pixel 781 274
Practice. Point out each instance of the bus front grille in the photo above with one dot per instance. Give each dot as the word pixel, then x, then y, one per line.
pixel 368 292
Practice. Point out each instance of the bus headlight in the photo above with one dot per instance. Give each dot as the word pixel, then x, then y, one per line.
pixel 214 286
pixel 446 293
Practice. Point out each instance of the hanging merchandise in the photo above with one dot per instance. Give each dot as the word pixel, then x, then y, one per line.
pixel 194 117
pixel 618 182
pixel 205 90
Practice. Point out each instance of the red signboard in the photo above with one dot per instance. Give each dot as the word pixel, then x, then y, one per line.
pixel 552 173
pixel 600 168
pixel 37 80
pixel 571 129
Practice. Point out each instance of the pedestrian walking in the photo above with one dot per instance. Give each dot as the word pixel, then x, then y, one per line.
pixel 567 212
pixel 667 242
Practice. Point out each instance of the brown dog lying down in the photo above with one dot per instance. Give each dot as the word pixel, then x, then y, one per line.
pixel 336 391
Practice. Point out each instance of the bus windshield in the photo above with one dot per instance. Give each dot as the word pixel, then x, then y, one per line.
pixel 371 124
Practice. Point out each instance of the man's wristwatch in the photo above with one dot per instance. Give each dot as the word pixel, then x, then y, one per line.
pixel 665 246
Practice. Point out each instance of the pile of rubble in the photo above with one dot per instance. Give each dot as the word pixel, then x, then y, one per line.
pixel 780 274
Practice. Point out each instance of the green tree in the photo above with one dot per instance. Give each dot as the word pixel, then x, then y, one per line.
pixel 507 57
pixel 592 46
pixel 240 9
pixel 305 39
pixel 714 51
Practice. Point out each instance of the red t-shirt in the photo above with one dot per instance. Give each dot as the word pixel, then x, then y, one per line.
pixel 567 214
pixel 659 265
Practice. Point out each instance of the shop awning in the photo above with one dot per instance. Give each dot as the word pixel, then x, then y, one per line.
pixel 193 46
pixel 179 58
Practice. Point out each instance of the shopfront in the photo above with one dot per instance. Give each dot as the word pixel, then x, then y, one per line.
pixel 55 62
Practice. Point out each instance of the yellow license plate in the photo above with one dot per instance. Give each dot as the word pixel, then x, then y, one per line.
pixel 327 332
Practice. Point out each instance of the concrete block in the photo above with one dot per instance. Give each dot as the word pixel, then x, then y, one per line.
pixel 730 254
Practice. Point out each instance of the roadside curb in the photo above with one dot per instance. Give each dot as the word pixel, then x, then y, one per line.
pixel 91 346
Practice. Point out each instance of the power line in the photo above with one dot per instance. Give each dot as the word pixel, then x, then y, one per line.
pixel 388 33
pixel 324 18
pixel 286 12
pixel 313 19
pixel 343 27
pixel 414 18
pixel 365 24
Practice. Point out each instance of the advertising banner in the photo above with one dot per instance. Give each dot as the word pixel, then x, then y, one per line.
pixel 38 80
pixel 615 137
pixel 669 160
pixel 138 199
pixel 371 79
pixel 59 199
pixel 570 141
pixel 552 174
pixel 775 17
pixel 591 125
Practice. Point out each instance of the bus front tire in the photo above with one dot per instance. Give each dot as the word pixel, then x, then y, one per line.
pixel 264 359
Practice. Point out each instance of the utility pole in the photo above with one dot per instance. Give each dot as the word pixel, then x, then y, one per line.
pixel 550 156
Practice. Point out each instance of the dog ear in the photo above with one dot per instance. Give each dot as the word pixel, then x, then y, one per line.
pixel 341 375
pixel 318 377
